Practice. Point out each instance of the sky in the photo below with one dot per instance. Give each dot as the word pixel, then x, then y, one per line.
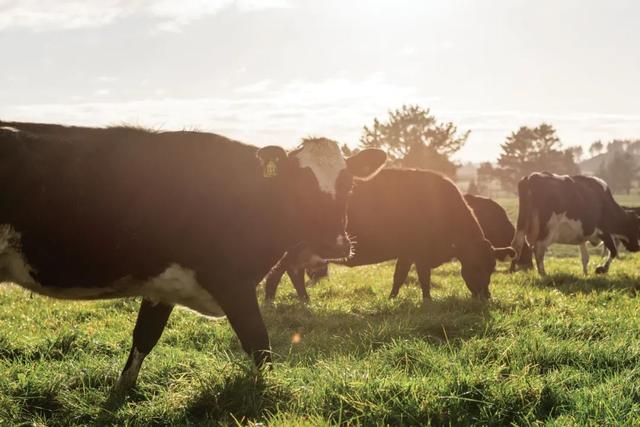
pixel 275 71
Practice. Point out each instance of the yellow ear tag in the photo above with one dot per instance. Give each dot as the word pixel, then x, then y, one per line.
pixel 270 169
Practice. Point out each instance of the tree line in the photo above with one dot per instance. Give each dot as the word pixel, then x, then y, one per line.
pixel 413 137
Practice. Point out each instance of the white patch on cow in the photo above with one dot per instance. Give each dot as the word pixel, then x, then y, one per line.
pixel 13 267
pixel 584 257
pixel 9 128
pixel 568 231
pixel 565 230
pixel 176 285
pixel 325 160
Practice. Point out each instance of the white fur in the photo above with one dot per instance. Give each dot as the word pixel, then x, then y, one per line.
pixel 325 160
pixel 568 231
pixel 565 230
pixel 9 128
pixel 176 285
pixel 584 256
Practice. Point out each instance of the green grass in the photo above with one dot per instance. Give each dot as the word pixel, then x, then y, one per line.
pixel 564 350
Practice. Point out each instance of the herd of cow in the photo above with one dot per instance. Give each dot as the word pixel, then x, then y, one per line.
pixel 197 220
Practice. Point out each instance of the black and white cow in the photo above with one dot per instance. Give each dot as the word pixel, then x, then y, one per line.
pixel 178 218
pixel 571 210
pixel 414 216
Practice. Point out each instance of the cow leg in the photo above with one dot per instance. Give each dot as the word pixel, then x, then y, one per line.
pixel 584 256
pixel 240 304
pixel 613 252
pixel 538 251
pixel 273 280
pixel 152 318
pixel 424 276
pixel 400 275
pixel 297 278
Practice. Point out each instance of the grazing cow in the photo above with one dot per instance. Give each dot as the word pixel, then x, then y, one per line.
pixel 414 216
pixel 571 210
pixel 179 218
pixel 497 228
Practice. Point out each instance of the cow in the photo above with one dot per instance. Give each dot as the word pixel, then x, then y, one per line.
pixel 571 210
pixel 179 218
pixel 413 216
pixel 497 228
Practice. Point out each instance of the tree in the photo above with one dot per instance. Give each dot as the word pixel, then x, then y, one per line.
pixel 412 133
pixel 595 148
pixel 486 174
pixel 533 149
pixel 633 147
pixel 617 145
pixel 346 151
pixel 619 172
pixel 422 156
pixel 578 152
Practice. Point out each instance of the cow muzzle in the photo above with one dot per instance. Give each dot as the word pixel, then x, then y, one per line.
pixel 340 250
pixel 316 256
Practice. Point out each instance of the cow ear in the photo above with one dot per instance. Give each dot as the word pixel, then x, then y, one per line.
pixel 505 254
pixel 366 163
pixel 273 160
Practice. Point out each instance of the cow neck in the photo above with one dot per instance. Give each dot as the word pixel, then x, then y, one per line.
pixel 466 229
pixel 283 227
pixel 618 219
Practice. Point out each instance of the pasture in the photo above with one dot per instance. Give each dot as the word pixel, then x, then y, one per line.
pixel 562 350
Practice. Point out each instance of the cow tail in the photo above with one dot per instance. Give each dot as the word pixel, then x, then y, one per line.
pixel 524 215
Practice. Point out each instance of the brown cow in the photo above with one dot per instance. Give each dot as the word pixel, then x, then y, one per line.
pixel 414 216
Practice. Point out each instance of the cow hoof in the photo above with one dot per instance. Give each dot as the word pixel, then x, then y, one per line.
pixel 124 384
pixel 601 270
pixel 481 296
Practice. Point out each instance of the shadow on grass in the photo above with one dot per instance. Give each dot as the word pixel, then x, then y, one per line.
pixel 577 284
pixel 243 396
pixel 330 332
pixel 237 397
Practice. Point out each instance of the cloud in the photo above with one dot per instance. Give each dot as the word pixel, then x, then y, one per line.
pixel 44 15
pixel 47 15
pixel 264 113
pixel 259 113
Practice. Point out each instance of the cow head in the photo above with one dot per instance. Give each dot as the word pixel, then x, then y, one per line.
pixel 478 260
pixel 629 230
pixel 317 180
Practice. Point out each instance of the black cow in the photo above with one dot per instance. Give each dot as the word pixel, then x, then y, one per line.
pixel 414 216
pixel 571 210
pixel 179 218
pixel 497 228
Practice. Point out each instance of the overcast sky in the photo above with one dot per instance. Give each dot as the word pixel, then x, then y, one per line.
pixel 273 71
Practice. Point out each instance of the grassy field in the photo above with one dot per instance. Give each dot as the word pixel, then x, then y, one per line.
pixel 562 350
